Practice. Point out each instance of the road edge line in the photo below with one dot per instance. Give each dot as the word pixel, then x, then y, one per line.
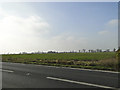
pixel 77 82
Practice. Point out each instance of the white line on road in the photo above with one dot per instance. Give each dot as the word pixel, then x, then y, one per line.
pixel 84 83
pixel 6 70
pixel 81 69
pixel 73 68
pixel 95 70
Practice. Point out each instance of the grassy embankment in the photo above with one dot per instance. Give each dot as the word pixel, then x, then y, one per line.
pixel 102 61
pixel 118 58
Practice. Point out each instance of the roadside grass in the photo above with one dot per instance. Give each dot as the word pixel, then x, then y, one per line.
pixel 101 61
pixel 118 58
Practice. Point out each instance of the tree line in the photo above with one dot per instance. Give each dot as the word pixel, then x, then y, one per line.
pixel 79 51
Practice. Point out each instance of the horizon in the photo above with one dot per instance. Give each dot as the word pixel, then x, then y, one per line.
pixel 72 51
pixel 58 26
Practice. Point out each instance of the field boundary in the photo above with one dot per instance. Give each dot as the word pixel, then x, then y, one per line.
pixel 80 69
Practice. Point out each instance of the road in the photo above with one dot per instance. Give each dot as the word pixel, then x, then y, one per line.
pixel 15 75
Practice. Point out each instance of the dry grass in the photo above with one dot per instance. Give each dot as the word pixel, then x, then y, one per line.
pixel 108 62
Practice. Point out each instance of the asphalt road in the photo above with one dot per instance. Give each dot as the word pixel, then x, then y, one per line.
pixel 15 75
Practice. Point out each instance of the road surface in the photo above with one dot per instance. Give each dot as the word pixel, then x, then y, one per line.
pixel 15 75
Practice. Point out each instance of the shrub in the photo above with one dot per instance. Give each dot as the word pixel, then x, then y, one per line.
pixel 118 58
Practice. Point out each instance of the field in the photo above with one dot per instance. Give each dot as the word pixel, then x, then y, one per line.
pixel 99 60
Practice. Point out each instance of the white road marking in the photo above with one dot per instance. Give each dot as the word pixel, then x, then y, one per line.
pixel 74 68
pixel 77 82
pixel 95 70
pixel 6 70
pixel 81 69
pixel 86 69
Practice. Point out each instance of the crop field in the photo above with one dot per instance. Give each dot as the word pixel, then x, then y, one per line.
pixel 98 60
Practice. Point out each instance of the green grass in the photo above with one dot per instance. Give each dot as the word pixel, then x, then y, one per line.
pixel 118 58
pixel 62 56
pixel 102 60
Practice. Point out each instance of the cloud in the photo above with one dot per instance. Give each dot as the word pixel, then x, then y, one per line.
pixel 31 33
pixel 21 33
pixel 68 42
pixel 108 38
pixel 16 26
pixel 113 23
pixel 103 32
pixel 110 27
pixel 2 13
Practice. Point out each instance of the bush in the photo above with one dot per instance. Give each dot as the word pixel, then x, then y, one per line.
pixel 118 58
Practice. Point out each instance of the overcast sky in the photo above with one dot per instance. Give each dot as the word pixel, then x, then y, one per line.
pixel 60 26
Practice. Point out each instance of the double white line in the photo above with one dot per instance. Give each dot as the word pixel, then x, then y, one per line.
pixel 83 83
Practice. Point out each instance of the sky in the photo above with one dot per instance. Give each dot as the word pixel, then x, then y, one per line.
pixel 58 26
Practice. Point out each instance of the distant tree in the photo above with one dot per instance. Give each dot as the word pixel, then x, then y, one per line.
pixel 51 52
pixel 108 50
pixel 97 50
pixel 89 51
pixel 114 50
pixel 84 50
pixel 93 51
pixel 24 52
pixel 100 50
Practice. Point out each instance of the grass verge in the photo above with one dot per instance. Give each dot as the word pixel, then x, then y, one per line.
pixel 100 61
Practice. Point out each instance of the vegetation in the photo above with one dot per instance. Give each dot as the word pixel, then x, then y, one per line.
pixel 118 58
pixel 98 60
